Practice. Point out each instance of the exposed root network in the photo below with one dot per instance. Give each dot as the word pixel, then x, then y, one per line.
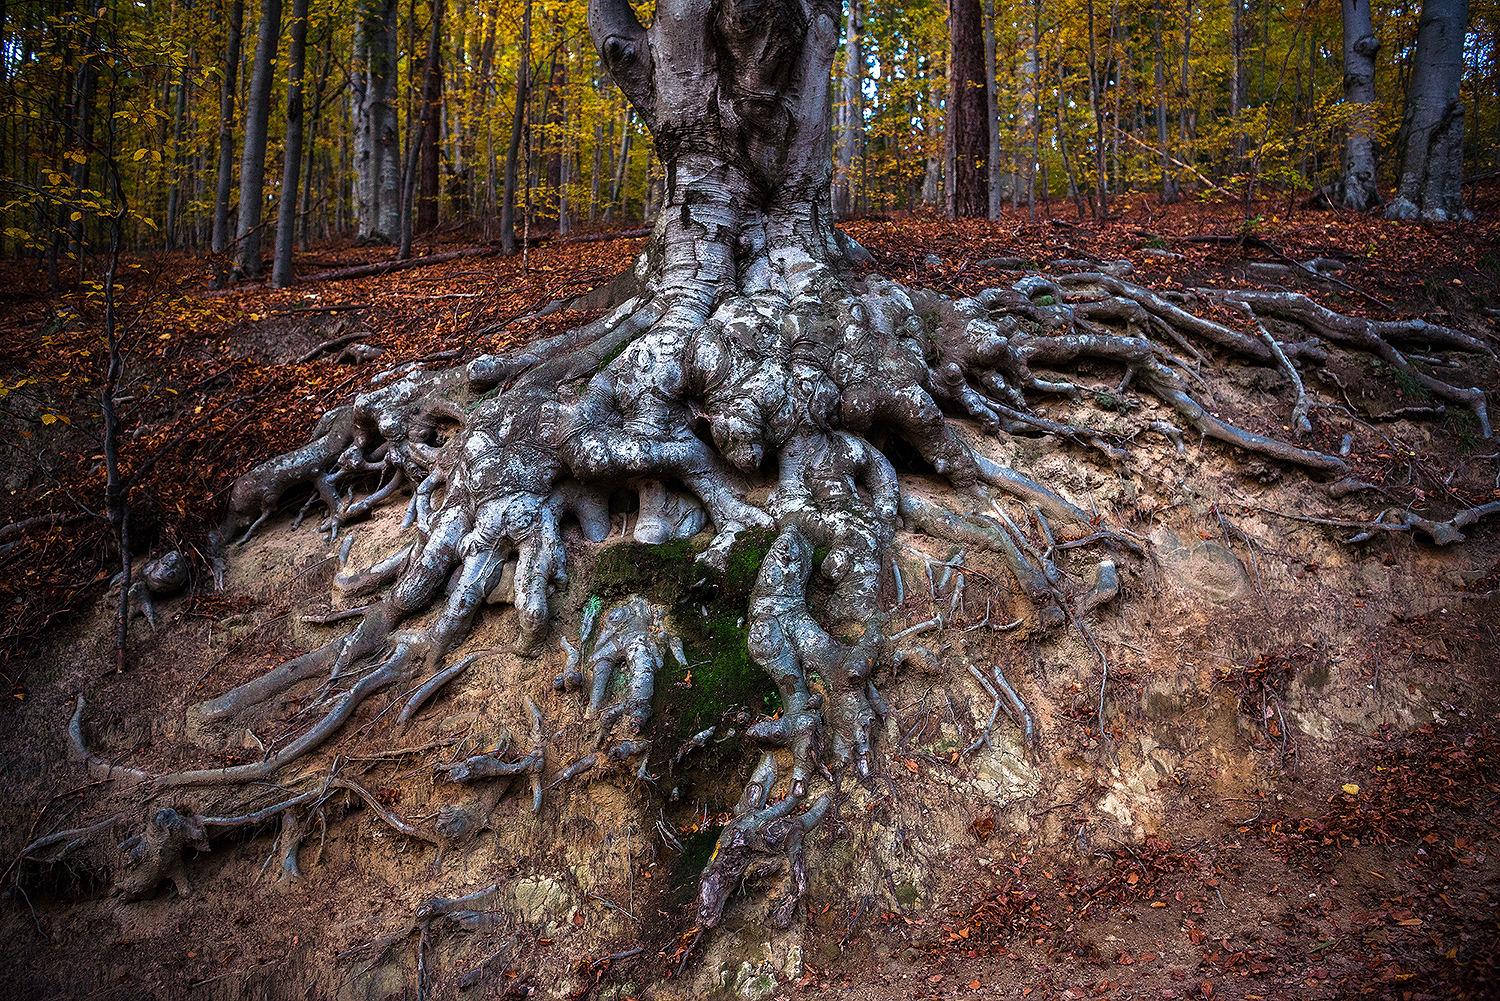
pixel 797 388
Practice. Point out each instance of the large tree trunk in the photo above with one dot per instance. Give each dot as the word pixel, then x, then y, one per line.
pixel 377 147
pixel 968 132
pixel 253 157
pixel 1431 158
pixel 1357 186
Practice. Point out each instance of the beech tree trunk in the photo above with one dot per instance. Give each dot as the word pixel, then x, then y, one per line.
pixel 1357 186
pixel 377 147
pixel 968 132
pixel 517 126
pixel 432 100
pixel 992 113
pixel 1431 155
pixel 231 80
pixel 253 157
pixel 286 211
pixel 849 114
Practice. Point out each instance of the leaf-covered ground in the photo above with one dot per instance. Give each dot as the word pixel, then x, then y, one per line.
pixel 1386 889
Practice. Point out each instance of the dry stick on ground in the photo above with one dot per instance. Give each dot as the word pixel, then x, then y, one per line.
pixel 386 267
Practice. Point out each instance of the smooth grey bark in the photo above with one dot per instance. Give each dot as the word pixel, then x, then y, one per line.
pixel 253 156
pixel 291 164
pixel 849 120
pixel 377 147
pixel 513 150
pixel 230 89
pixel 1431 155
pixel 1358 188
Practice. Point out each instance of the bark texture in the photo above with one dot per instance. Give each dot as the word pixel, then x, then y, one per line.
pixel 1431 156
pixel 377 166
pixel 1357 186
pixel 743 376
pixel 968 131
pixel 253 157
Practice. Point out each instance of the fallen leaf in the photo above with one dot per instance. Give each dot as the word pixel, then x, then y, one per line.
pixel 974 985
pixel 1351 788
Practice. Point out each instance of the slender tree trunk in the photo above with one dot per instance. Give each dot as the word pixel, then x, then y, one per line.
pixel 1185 124
pixel 968 132
pixel 992 112
pixel 517 126
pixel 1029 105
pixel 848 117
pixel 1170 189
pixel 617 190
pixel 225 185
pixel 421 125
pixel 326 64
pixel 179 161
pixel 253 157
pixel 432 106
pixel 291 164
pixel 933 184
pixel 1096 107
pixel 1239 82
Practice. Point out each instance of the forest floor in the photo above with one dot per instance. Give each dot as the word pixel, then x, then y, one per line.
pixel 1387 887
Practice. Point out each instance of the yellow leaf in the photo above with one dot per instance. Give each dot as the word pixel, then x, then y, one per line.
pixel 49 418
pixel 1351 788
pixel 140 154
pixel 76 216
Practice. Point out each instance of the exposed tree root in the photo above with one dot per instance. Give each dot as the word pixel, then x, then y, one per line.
pixel 744 377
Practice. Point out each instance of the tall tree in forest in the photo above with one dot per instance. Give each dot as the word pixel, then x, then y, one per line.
pixel 377 147
pixel 995 186
pixel 1357 185
pixel 227 94
pixel 424 120
pixel 286 200
pixel 253 157
pixel 432 100
pixel 968 132
pixel 517 125
pixel 1170 190
pixel 1430 159
pixel 848 115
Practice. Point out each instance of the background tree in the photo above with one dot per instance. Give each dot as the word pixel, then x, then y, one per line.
pixel 1430 159
pixel 229 89
pixel 247 254
pixel 286 200
pixel 967 130
pixel 1358 188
